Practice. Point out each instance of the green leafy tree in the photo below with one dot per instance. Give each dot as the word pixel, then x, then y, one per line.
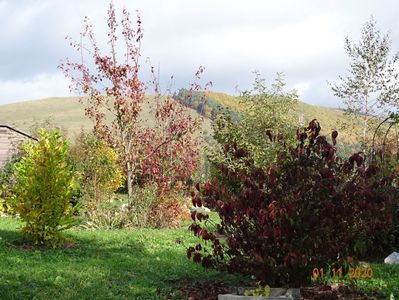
pixel 45 183
pixel 266 109
pixel 372 88
pixel 263 110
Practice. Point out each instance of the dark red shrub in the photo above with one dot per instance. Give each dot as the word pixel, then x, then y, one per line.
pixel 308 210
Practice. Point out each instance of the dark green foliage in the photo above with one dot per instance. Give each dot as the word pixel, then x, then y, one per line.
pixel 310 209
pixel 385 147
pixel 7 183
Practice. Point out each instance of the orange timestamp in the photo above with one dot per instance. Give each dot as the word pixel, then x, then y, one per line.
pixel 360 272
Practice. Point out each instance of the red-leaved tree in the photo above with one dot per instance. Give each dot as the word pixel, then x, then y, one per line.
pixel 115 99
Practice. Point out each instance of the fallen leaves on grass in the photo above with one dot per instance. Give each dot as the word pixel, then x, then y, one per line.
pixel 200 291
pixel 332 292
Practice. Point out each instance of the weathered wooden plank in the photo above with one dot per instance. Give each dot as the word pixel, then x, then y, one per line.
pixel 10 139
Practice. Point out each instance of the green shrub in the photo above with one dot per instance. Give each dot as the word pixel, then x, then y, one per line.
pixel 106 216
pixel 119 213
pixel 263 110
pixel 146 208
pixel 98 167
pixel 141 203
pixel 7 183
pixel 45 184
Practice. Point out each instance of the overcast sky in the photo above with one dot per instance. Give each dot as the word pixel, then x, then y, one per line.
pixel 231 39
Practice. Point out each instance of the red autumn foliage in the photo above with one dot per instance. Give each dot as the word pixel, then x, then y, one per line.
pixel 309 210
pixel 116 99
pixel 168 213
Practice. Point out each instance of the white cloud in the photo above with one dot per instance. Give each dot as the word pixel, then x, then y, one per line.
pixel 302 87
pixel 3 7
pixel 38 87
pixel 304 39
pixel 280 46
pixel 21 19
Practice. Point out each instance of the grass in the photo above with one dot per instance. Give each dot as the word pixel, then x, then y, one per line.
pixel 64 112
pixel 126 264
pixel 383 283
pixel 29 114
pixel 113 264
pixel 71 117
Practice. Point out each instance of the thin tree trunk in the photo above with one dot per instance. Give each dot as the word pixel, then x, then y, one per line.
pixel 397 143
pixel 129 180
pixel 365 118
pixel 364 129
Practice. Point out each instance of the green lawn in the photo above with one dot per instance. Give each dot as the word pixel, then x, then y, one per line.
pixel 384 282
pixel 118 264
pixel 122 264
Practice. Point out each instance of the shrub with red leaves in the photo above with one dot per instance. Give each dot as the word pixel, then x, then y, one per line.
pixel 167 213
pixel 308 210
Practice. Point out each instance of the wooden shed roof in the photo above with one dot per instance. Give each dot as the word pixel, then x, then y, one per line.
pixel 18 131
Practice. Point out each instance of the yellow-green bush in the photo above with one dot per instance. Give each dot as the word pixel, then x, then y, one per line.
pixel 45 183
pixel 97 164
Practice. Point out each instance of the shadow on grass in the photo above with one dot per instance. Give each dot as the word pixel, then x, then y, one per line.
pixel 10 235
pixel 102 265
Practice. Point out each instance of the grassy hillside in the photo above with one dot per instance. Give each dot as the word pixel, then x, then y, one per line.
pixel 68 113
pixel 64 112
pixel 329 118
